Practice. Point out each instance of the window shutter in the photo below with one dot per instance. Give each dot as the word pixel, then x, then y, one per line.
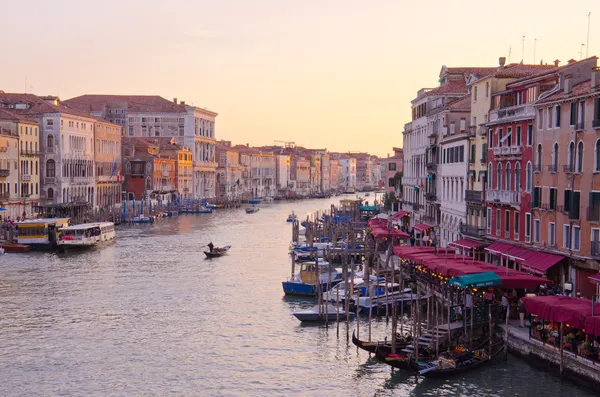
pixel 574 208
pixel 566 200
pixel 573 119
pixel 558 116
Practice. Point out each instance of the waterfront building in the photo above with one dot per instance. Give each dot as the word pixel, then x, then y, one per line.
pixel 154 116
pixel 107 164
pixel 9 173
pixel 315 170
pixel 29 162
pixel 565 206
pixel 67 151
pixel 147 175
pixel 282 175
pixel 300 175
pixel 348 164
pixel 230 181
pixel 325 173
pixel 169 148
pixel 376 175
pixel 453 149
pixel 482 90
pixel 336 170
pixel 390 166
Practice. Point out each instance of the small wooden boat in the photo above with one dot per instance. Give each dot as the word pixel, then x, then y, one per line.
pixel 217 252
pixel 385 346
pixel 448 364
pixel 251 210
pixel 14 247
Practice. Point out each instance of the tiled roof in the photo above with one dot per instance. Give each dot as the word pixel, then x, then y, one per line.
pixel 520 70
pixel 451 87
pixel 551 69
pixel 577 90
pixel 133 103
pixel 36 106
pixel 467 71
pixel 8 115
pixel 460 103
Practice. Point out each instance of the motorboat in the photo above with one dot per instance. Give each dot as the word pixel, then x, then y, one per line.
pixel 291 217
pixel 142 219
pixel 305 282
pixel 86 235
pixel 339 292
pixel 217 251
pixel 252 210
pixel 321 313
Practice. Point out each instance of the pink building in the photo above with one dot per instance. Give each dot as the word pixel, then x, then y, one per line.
pixel 392 165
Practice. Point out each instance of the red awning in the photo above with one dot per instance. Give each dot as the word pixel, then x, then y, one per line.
pixel 421 227
pixel 595 279
pixel 380 232
pixel 400 215
pixel 540 262
pixel 402 251
pixel 562 309
pixel 467 244
pixel 592 325
pixel 499 248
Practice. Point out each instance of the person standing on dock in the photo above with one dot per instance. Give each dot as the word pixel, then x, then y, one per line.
pixel 521 313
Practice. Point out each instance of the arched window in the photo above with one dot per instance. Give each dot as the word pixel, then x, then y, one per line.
pixel 50 169
pixel 528 177
pixel 499 177
pixel 597 155
pixel 50 141
pixel 571 159
pixel 538 159
pixel 489 176
pixel 555 157
pixel 50 194
pixel 508 175
pixel 580 156
pixel 518 177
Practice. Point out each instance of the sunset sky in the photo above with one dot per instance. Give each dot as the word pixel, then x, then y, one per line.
pixel 335 74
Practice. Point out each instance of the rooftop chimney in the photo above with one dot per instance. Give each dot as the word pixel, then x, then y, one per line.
pixel 556 62
pixel 502 62
pixel 570 61
pixel 182 102
pixel 596 79
pixel 568 84
pixel 175 100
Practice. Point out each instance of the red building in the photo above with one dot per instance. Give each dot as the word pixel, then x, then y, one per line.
pixel 511 157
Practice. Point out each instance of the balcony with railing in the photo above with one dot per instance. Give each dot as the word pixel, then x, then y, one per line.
pixel 596 123
pixel 474 196
pixel 512 113
pixel 4 195
pixel 593 214
pixel 4 172
pixel 595 249
pixel 579 126
pixel 482 130
pixel 509 197
pixel 81 180
pixel 29 153
pixel 430 196
pixel 472 230
pixel 507 151
pixel 472 131
pixel 26 178
pixel 483 158
pixel 553 168
pixel 431 166
pixel 569 169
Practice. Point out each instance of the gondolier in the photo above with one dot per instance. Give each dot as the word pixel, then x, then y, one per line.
pixel 211 246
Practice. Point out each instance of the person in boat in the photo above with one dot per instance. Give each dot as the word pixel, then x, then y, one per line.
pixel 211 246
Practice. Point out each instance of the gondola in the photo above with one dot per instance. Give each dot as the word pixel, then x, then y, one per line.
pixel 447 365
pixel 217 252
pixel 384 346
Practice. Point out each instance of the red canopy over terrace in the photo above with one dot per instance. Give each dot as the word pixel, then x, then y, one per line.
pixel 562 309
pixel 402 251
pixel 395 233
pixel 421 227
pixel 467 244
pixel 537 262
pixel 399 215
pixel 592 325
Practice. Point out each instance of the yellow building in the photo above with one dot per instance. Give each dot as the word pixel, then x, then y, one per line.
pixel 27 193
pixel 482 89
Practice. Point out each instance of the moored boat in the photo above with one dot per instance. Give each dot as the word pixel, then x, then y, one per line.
pixel 318 313
pixel 305 281
pixel 291 217
pixel 42 233
pixel 217 252
pixel 13 247
pixel 252 210
pixel 448 364
pixel 86 235
pixel 384 346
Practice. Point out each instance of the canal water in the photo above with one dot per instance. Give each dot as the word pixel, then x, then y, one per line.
pixel 149 316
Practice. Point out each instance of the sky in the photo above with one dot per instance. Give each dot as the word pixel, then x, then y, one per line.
pixel 335 74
